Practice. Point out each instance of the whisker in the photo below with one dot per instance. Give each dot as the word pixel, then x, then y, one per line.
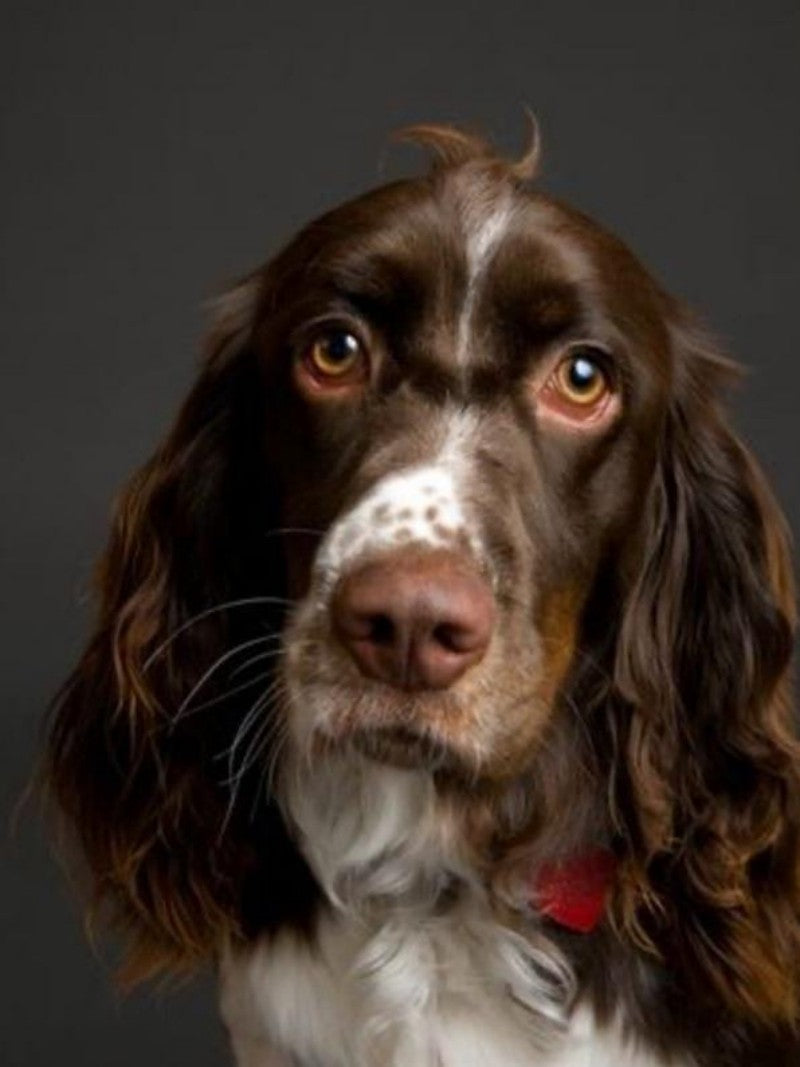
pixel 250 755
pixel 273 731
pixel 249 720
pixel 189 712
pixel 270 653
pixel 262 677
pixel 266 780
pixel 272 765
pixel 278 530
pixel 235 778
pixel 228 604
pixel 212 670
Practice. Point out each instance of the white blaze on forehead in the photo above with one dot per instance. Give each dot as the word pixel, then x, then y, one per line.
pixel 423 504
pixel 485 227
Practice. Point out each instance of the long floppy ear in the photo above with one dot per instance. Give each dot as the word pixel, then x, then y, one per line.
pixel 134 769
pixel 708 788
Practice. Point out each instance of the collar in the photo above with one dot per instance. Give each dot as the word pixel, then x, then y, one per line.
pixel 573 891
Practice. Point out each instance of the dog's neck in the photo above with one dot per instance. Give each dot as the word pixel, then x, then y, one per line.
pixel 382 836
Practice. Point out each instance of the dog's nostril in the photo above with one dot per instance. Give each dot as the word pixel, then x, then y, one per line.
pixel 382 630
pixel 452 638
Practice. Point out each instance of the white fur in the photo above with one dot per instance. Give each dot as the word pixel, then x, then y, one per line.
pixel 389 979
pixel 397 510
pixel 484 231
pixel 428 997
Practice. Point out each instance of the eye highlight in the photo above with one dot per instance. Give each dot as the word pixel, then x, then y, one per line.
pixel 580 379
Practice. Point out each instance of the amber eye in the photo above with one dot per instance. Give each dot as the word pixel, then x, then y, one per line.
pixel 335 355
pixel 581 379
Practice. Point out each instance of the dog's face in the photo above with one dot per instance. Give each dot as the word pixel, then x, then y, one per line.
pixel 483 455
pixel 472 382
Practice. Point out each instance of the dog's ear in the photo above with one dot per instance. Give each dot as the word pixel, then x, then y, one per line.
pixel 130 762
pixel 707 760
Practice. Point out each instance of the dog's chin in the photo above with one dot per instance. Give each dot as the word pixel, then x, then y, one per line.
pixel 402 746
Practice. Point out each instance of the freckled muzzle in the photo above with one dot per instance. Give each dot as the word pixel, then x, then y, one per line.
pixel 401 579
pixel 407 645
pixel 419 507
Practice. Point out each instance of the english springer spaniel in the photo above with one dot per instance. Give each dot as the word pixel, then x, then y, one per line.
pixel 439 692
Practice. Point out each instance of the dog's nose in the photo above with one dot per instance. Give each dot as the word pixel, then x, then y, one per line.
pixel 415 620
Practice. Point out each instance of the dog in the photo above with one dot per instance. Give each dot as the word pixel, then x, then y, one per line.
pixel 439 691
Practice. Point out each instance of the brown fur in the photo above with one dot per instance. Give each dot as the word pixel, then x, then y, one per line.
pixel 668 729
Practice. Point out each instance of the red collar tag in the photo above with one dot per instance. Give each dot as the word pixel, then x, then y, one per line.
pixel 573 892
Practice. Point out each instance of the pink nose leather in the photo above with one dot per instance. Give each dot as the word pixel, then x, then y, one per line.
pixel 414 620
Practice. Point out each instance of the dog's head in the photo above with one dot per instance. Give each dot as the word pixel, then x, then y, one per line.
pixel 454 474
pixel 471 405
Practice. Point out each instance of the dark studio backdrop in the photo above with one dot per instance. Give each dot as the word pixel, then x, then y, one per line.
pixel 151 152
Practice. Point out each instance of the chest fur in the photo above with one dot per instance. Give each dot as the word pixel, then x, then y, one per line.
pixel 457 990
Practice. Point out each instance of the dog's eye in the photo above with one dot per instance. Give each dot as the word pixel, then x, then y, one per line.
pixel 581 379
pixel 580 391
pixel 335 356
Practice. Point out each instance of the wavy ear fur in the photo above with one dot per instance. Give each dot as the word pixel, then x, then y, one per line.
pixel 703 726
pixel 143 785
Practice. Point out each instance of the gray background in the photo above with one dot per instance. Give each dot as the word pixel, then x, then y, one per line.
pixel 152 152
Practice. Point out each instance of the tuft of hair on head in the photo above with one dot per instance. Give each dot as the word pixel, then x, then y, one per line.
pixel 453 146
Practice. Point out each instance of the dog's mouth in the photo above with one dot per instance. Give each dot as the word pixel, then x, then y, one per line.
pixel 403 746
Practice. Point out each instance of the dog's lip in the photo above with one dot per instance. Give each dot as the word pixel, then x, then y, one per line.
pixel 402 745
pixel 397 733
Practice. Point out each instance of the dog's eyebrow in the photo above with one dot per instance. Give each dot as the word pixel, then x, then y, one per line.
pixel 516 324
pixel 382 291
pixel 372 275
pixel 399 305
pixel 539 310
